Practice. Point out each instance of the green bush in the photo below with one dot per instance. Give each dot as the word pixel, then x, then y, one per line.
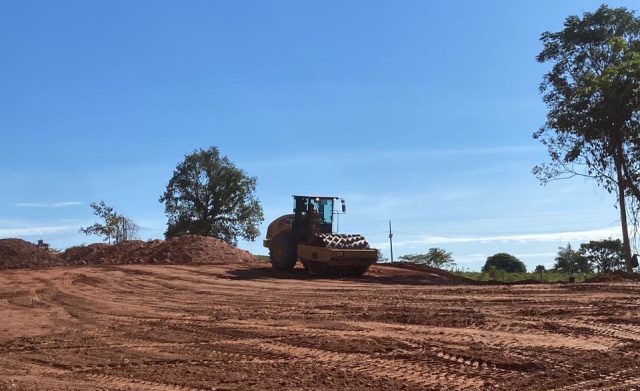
pixel 506 262
pixel 548 276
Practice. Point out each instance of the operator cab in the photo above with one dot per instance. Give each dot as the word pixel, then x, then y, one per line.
pixel 313 214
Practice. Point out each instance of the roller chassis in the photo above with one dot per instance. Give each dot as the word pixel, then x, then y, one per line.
pixel 307 236
pixel 323 261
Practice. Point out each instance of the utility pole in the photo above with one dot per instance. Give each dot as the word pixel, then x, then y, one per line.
pixel 391 240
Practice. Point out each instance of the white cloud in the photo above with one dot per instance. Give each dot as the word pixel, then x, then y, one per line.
pixel 35 231
pixel 471 258
pixel 567 236
pixel 536 255
pixel 63 204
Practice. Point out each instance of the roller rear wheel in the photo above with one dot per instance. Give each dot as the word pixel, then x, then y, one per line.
pixel 283 252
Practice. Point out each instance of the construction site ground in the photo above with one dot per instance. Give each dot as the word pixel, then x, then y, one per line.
pixel 244 327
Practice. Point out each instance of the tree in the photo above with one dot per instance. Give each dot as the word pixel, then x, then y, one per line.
pixel 593 124
pixel 381 257
pixel 125 229
pixel 606 254
pixel 505 262
pixel 438 257
pixel 115 226
pixel 208 195
pixel 435 257
pixel 540 269
pixel 571 261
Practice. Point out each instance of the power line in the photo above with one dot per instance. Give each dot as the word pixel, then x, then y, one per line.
pixel 494 231
pixel 501 227
pixel 510 217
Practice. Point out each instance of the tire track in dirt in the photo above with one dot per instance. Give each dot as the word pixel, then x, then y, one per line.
pixel 401 370
pixel 84 374
pixel 603 329
pixel 611 381
pixel 127 383
pixel 188 328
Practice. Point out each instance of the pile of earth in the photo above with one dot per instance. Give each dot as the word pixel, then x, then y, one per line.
pixel 617 276
pixel 18 253
pixel 408 272
pixel 187 249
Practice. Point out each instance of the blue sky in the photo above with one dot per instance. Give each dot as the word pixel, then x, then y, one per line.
pixel 416 112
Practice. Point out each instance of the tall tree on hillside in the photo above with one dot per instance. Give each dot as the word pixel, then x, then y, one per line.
pixel 592 92
pixel 435 257
pixel 439 257
pixel 208 195
pixel 114 227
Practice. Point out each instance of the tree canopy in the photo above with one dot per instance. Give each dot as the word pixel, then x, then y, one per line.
pixel 504 261
pixel 571 261
pixel 592 93
pixel 435 257
pixel 606 255
pixel 115 227
pixel 208 195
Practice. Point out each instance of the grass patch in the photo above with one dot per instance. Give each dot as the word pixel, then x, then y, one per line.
pixel 264 258
pixel 515 277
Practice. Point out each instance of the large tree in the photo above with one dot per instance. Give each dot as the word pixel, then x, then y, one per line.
pixel 208 195
pixel 572 261
pixel 593 95
pixel 504 261
pixel 606 254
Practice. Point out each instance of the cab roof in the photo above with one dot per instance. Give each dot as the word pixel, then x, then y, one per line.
pixel 314 196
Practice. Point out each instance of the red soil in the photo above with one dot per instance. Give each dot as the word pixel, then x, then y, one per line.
pixel 237 326
pixel 617 276
pixel 188 249
pixel 18 253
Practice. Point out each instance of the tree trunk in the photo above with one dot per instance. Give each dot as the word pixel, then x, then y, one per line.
pixel 626 245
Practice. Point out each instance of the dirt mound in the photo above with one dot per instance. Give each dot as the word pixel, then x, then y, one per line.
pixel 75 255
pixel 180 250
pixel 617 276
pixel 18 253
pixel 410 272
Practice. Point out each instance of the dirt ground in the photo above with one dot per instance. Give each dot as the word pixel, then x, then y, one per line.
pixel 242 327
